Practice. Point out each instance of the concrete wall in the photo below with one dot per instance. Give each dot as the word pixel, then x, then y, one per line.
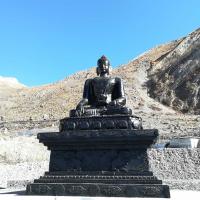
pixel 180 168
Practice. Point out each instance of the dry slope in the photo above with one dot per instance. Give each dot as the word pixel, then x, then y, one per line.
pixel 55 100
pixel 175 79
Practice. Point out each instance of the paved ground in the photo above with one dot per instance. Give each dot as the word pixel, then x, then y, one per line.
pixel 6 194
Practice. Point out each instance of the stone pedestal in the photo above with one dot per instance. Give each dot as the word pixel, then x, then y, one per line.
pixel 99 162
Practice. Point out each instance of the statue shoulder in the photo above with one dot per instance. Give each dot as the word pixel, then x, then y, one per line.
pixel 88 81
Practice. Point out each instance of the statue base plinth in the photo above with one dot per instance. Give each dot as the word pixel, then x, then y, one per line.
pixel 99 189
pixel 111 162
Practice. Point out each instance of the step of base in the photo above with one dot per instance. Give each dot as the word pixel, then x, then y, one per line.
pixel 91 189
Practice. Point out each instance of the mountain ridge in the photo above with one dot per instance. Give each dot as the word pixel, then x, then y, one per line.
pixel 10 82
pixel 175 80
pixel 53 101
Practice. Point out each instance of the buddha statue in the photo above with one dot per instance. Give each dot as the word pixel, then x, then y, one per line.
pixel 102 95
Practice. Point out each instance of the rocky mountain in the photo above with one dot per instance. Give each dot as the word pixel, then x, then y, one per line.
pixel 154 82
pixel 175 77
pixel 55 100
pixel 10 82
pixel 8 85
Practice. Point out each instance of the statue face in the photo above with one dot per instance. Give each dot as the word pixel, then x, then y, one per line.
pixel 103 67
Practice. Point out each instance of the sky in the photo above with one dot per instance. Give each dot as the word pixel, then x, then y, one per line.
pixel 43 41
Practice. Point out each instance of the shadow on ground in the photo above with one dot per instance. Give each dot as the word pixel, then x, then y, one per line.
pixel 16 192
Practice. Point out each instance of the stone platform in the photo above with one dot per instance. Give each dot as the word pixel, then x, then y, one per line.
pixel 112 122
pixel 111 163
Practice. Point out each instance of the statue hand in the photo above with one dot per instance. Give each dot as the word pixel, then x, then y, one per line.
pixel 113 103
pixel 80 107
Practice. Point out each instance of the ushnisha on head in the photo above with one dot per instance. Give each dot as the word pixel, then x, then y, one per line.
pixel 103 66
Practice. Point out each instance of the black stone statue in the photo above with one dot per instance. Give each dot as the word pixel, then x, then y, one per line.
pixel 101 149
pixel 103 92
pixel 104 96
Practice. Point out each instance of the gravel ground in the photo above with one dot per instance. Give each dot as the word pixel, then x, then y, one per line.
pixel 16 176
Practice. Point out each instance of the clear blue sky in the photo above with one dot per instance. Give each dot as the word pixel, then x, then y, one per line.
pixel 42 41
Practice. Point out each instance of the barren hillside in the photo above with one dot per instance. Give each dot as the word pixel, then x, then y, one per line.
pixel 175 79
pixel 55 100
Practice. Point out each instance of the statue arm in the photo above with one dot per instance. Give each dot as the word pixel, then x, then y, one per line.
pixel 85 100
pixel 119 94
pixel 122 98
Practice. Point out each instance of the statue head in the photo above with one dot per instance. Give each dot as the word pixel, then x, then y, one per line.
pixel 103 66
